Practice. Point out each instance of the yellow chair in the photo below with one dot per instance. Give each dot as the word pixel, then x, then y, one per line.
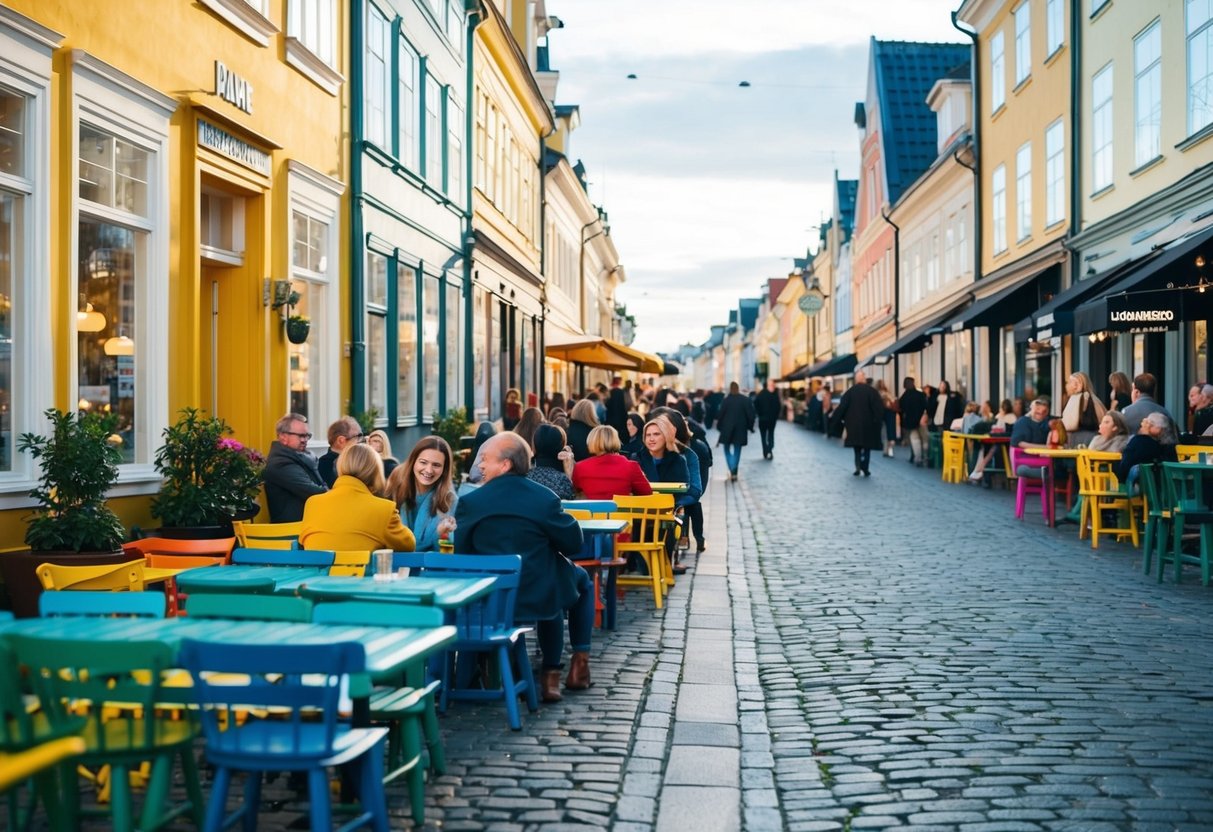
pixel 115 576
pixel 579 513
pixel 1191 453
pixel 19 766
pixel 1100 492
pixel 352 563
pixel 650 516
pixel 953 467
pixel 266 535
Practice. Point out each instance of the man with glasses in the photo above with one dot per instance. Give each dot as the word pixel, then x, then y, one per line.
pixel 345 431
pixel 291 472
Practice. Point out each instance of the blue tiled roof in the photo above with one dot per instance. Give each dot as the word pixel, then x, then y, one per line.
pixel 749 312
pixel 847 189
pixel 905 73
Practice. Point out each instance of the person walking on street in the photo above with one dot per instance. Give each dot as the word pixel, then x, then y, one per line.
pixel 861 412
pixel 913 406
pixel 767 407
pixel 734 421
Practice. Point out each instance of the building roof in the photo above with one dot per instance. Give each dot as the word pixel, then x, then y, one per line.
pixel 905 72
pixel 747 312
pixel 774 287
pixel 847 189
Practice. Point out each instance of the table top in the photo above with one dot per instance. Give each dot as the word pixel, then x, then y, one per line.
pixel 241 578
pixel 614 526
pixel 444 592
pixel 1073 453
pixel 387 649
pixel 156 574
pixel 668 487
pixel 991 438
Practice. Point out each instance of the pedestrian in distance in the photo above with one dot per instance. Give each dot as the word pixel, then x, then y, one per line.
pixel 861 412
pixel 913 406
pixel 735 421
pixel 767 407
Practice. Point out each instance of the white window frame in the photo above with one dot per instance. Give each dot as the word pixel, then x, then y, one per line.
pixel 318 196
pixel 111 100
pixel 249 17
pixel 26 50
pixel 1055 173
pixel 998 208
pixel 377 80
pixel 433 132
pixel 408 109
pixel 317 60
pixel 1023 192
pixel 456 162
pixel 1055 26
pixel 1199 32
pixel 1102 129
pixel 1023 42
pixel 998 71
pixel 1147 96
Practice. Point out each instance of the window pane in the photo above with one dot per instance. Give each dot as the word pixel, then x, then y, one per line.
pixel 1023 191
pixel 112 172
pixel 376 362
pixel 430 328
pixel 10 219
pixel 1147 94
pixel 455 163
pixel 998 73
pixel 12 133
pixel 1055 22
pixel 378 94
pixel 376 279
pixel 454 345
pixel 305 359
pixel 1101 129
pixel 433 131
pixel 408 105
pixel 1023 41
pixel 108 344
pixel 406 346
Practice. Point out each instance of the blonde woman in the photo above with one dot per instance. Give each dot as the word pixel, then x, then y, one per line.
pixel 582 420
pixel 378 440
pixel 352 515
pixel 1083 410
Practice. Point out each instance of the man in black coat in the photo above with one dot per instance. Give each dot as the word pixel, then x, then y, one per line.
pixel 510 514
pixel 768 407
pixel 913 406
pixel 861 411
pixel 291 474
pixel 735 421
pixel 617 408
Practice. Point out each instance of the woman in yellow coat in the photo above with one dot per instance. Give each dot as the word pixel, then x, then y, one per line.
pixel 352 516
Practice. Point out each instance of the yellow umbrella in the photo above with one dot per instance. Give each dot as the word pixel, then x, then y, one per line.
pixel 595 352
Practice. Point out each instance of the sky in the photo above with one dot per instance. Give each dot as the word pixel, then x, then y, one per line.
pixel 712 188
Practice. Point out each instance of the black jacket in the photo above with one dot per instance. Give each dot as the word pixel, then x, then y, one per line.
pixel 290 477
pixel 767 407
pixel 577 435
pixel 913 404
pixel 735 420
pixel 861 411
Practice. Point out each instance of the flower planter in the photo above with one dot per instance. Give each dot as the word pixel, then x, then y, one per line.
pixel 20 572
pixel 297 330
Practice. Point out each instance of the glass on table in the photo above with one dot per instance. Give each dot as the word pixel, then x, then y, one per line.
pixel 383 564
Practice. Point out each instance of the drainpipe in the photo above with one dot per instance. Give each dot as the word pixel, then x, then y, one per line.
pixel 541 339
pixel 468 238
pixel 1076 22
pixel 357 401
pixel 884 213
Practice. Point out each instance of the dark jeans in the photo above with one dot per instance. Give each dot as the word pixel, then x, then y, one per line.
pixel 767 432
pixel 863 457
pixel 695 515
pixel 550 633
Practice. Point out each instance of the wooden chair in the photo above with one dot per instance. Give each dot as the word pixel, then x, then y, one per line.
pixel 1158 517
pixel 591 562
pixel 352 563
pixel 953 469
pixel 250 607
pixel 1191 453
pixel 595 509
pixel 1026 484
pixel 283 557
pixel 1100 491
pixel 114 577
pixel 54 604
pixel 1184 487
pixel 170 553
pixel 267 535
pixel 650 516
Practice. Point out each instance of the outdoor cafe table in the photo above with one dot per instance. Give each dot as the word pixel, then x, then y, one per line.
pixel 239 578
pixel 445 592
pixel 1000 440
pixel 1074 453
pixel 668 487
pixel 601 535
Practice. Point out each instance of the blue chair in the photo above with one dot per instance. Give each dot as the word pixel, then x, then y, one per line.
pixel 6 615
pixel 99 603
pixel 283 557
pixel 304 734
pixel 408 711
pixel 487 626
pixel 597 508
pixel 414 561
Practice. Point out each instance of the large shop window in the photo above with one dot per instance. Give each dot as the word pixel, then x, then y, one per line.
pixel 406 344
pixel 431 327
pixel 376 333
pixel 309 277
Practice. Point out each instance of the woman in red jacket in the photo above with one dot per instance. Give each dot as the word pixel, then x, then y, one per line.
pixel 606 473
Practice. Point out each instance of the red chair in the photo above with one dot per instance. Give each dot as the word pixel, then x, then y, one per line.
pixel 168 552
pixel 1021 461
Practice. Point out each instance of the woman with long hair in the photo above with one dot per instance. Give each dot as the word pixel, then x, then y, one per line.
pixel 531 419
pixel 634 441
pixel 378 440
pixel 1113 433
pixel 423 490
pixel 353 515
pixel 553 462
pixel 512 411
pixel 1120 392
pixel 582 420
pixel 1082 410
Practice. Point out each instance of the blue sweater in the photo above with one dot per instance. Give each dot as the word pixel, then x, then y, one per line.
pixel 423 524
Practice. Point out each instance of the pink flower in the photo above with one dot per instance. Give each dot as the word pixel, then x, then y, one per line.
pixel 230 445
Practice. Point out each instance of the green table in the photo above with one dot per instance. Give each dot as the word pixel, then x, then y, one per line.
pixel 261 580
pixel 446 593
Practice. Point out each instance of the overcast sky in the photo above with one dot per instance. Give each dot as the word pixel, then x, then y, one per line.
pixel 713 188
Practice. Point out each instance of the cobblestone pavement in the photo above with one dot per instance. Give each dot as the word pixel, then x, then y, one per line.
pixel 855 654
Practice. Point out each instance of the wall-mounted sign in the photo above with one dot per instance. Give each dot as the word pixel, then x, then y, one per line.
pixel 224 143
pixel 812 301
pixel 232 88
pixel 1158 310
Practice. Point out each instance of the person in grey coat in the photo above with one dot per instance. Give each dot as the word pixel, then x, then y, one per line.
pixel 735 421
pixel 861 412
pixel 291 474
pixel 1144 403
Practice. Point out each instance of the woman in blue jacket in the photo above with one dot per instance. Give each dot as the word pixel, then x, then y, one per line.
pixel 423 490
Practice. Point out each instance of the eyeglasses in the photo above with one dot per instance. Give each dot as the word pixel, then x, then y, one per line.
pixel 300 435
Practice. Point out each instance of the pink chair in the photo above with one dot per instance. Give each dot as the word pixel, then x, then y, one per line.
pixel 1033 485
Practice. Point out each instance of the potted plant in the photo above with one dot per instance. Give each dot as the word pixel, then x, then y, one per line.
pixel 297 328
pixel 210 479
pixel 453 427
pixel 71 522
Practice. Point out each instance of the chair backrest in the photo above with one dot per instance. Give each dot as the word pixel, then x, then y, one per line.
pixel 352 563
pixel 302 684
pixel 1020 456
pixel 494 612
pixel 1151 488
pixel 64 672
pixel 17 730
pixel 159 561
pixel 413 561
pixel 249 607
pixel 166 546
pixel 579 513
pixel 148 604
pixel 283 557
pixel 377 614
pixel 647 515
pixel 266 535
pixel 1191 453
pixel 1095 475
pixel 1185 486
pixel 114 577
pixel 598 509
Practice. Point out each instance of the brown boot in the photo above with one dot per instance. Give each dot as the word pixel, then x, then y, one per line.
pixel 549 686
pixel 579 672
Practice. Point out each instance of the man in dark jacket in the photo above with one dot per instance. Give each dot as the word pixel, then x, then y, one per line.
pixel 510 514
pixel 861 411
pixel 617 408
pixel 768 407
pixel 734 421
pixel 344 431
pixel 913 405
pixel 291 474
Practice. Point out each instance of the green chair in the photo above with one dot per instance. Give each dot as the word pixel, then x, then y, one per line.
pixel 249 607
pixel 62 673
pixel 409 711
pixel 935 449
pixel 1158 518
pixel 1185 495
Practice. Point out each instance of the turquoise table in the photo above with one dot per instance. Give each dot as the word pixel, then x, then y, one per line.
pixel 261 580
pixel 446 593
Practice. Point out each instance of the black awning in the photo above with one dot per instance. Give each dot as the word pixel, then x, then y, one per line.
pixel 799 374
pixel 915 339
pixel 1173 270
pixel 1006 306
pixel 839 365
pixel 670 369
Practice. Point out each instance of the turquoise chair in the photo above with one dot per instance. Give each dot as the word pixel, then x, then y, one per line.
pixel 1157 535
pixel 94 602
pixel 408 711
pixel 1184 487
pixel 302 685
pixel 283 557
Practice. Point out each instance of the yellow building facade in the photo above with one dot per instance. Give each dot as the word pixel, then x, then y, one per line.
pixel 168 172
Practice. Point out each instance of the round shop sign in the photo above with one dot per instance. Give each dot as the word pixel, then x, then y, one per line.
pixel 811 302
